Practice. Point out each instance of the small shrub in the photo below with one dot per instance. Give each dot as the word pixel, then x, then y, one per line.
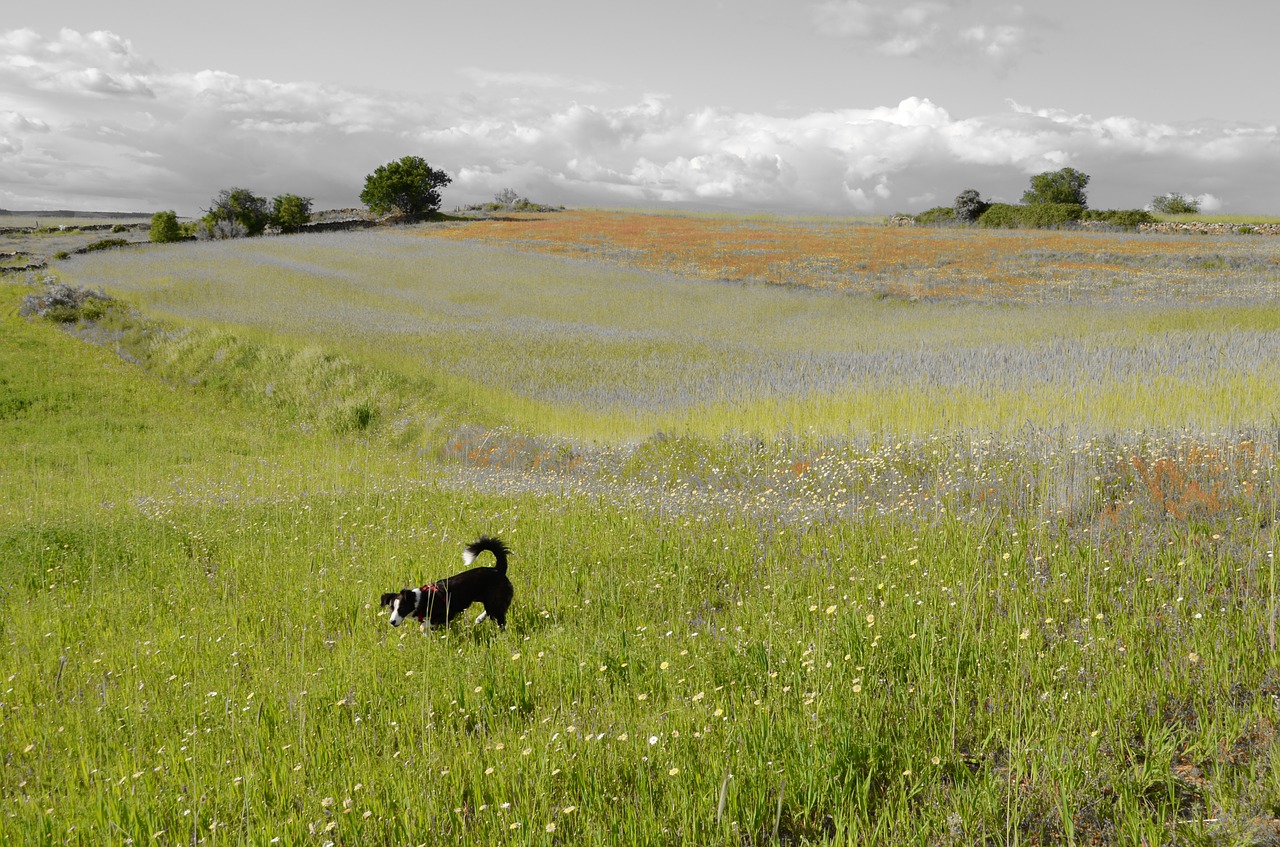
pixel 62 254
pixel 220 230
pixel 119 228
pixel 1247 230
pixel 63 303
pixel 93 308
pixel 165 227
pixel 106 244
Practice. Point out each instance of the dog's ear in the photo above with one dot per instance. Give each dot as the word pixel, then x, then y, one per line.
pixel 387 598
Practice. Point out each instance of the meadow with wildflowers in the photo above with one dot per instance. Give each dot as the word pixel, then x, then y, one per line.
pixel 794 563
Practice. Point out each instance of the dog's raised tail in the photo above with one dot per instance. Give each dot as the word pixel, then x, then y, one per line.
pixel 492 545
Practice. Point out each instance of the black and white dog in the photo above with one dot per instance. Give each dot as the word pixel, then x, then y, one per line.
pixel 443 600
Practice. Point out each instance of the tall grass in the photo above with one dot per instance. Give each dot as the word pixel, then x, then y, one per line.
pixel 1051 630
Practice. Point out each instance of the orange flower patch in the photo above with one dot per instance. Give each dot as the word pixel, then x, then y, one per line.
pixel 941 263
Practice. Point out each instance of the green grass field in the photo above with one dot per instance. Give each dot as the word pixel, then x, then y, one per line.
pixel 790 567
pixel 1222 219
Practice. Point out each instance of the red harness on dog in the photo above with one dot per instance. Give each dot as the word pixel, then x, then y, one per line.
pixel 422 610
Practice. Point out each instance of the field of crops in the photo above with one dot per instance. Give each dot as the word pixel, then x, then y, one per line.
pixel 822 532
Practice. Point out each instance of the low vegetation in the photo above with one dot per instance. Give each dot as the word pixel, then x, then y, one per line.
pixel 1055 200
pixel 828 566
pixel 1175 204
pixel 62 303
pixel 239 213
pixel 507 200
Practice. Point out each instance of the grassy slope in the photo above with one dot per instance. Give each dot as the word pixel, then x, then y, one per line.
pixel 188 578
pixel 590 351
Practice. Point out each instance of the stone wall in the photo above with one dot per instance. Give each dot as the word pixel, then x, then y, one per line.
pixel 331 226
pixel 1206 228
pixel 1164 227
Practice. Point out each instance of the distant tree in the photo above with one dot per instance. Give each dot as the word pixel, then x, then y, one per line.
pixel 508 199
pixel 1175 204
pixel 165 227
pixel 1062 186
pixel 241 206
pixel 969 206
pixel 289 212
pixel 408 185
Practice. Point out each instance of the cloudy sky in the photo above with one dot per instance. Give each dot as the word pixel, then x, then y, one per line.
pixel 824 106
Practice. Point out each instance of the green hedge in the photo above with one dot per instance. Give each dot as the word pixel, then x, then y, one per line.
pixel 937 216
pixel 1123 218
pixel 1035 215
pixel 999 216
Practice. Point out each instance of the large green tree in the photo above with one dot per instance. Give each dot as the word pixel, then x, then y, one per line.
pixel 1175 204
pixel 289 212
pixel 240 206
pixel 1062 186
pixel 408 185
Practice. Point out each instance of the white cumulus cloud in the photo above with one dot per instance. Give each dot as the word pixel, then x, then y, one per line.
pixel 85 121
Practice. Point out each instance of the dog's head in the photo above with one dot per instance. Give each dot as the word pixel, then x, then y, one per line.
pixel 403 604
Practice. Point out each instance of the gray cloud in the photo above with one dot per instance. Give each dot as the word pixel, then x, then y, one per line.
pixel 933 29
pixel 95 63
pixel 18 123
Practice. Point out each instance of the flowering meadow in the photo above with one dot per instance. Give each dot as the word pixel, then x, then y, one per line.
pixel 849 255
pixel 793 563
pixel 591 350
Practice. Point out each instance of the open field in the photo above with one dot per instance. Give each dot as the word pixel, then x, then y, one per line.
pixel 953 264
pixel 591 350
pixel 795 562
pixel 35 241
